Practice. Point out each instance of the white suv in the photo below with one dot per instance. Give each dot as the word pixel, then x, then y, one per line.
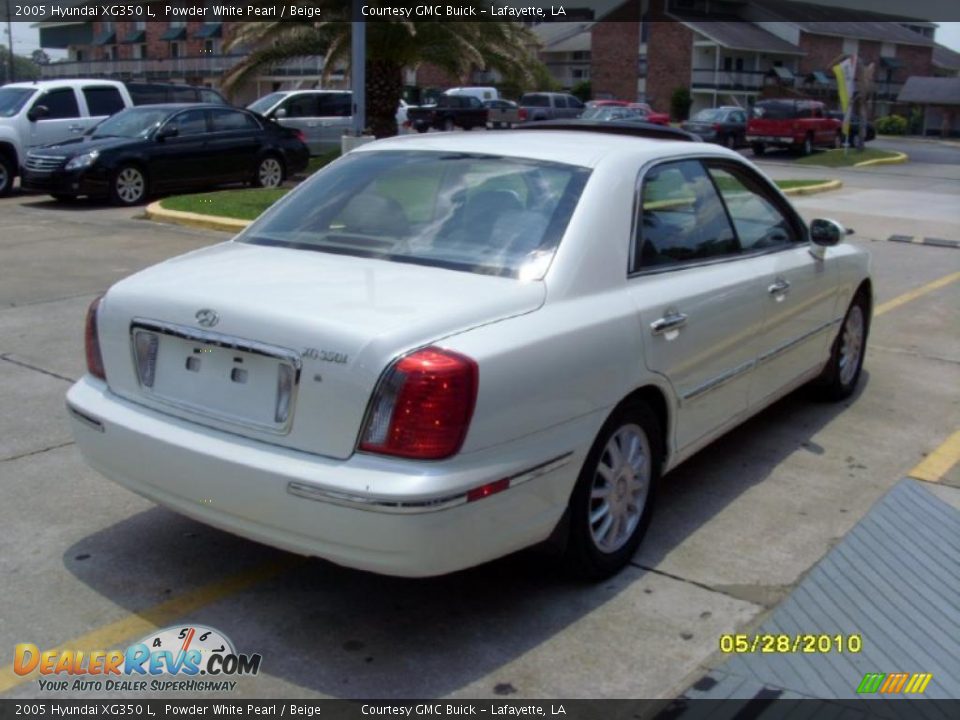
pixel 51 111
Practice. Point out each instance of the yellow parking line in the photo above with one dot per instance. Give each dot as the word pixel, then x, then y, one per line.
pixel 914 294
pixel 938 463
pixel 137 624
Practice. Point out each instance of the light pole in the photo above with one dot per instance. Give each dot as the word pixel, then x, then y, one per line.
pixel 10 72
pixel 358 69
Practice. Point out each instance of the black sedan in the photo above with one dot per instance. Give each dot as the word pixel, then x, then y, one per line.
pixel 724 125
pixel 163 148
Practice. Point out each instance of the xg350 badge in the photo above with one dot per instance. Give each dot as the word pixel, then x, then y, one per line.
pixel 207 317
pixel 326 356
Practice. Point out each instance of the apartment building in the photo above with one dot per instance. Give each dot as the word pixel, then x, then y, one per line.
pixel 731 52
pixel 175 51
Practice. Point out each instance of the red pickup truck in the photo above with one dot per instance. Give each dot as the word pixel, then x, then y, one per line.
pixel 800 125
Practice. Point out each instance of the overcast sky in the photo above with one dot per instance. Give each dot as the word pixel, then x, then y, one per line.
pixel 26 39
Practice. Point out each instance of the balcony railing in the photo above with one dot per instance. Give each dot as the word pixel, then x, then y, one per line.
pixel 747 80
pixel 170 68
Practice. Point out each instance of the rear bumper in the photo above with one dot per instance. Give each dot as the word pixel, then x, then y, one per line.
pixel 310 505
pixel 785 140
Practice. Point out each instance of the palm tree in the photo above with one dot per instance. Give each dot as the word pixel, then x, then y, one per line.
pixel 392 45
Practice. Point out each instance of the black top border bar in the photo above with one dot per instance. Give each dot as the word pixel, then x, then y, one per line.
pixel 532 11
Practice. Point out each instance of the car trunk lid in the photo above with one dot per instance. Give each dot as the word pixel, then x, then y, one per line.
pixel 285 345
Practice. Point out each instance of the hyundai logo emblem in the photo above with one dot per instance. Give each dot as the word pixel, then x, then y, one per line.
pixel 207 317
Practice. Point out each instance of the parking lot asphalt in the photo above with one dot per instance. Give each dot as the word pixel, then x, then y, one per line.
pixel 88 565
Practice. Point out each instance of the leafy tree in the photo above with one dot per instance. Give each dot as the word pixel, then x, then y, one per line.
pixel 24 68
pixel 392 45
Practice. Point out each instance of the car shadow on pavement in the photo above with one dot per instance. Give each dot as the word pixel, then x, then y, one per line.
pixel 352 634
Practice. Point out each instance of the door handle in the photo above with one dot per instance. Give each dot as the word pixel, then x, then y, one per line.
pixel 75 128
pixel 671 321
pixel 779 287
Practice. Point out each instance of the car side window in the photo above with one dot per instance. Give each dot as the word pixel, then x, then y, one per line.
pixel 190 122
pixel 61 103
pixel 224 120
pixel 738 117
pixel 574 102
pixel 759 223
pixel 103 100
pixel 333 105
pixel 560 101
pixel 681 218
pixel 211 96
pixel 301 106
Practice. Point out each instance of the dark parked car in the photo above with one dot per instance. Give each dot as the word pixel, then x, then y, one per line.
pixel 854 127
pixel 723 125
pixel 162 148
pixel 449 112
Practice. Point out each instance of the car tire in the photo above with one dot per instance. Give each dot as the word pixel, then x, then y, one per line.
pixel 448 125
pixel 269 172
pixel 758 149
pixel 128 185
pixel 612 502
pixel 7 174
pixel 807 147
pixel 842 372
pixel 838 141
pixel 730 141
pixel 422 128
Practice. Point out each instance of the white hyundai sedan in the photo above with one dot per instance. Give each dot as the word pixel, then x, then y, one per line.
pixel 446 347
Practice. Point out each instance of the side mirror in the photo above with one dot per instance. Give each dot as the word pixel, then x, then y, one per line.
pixel 825 233
pixel 280 114
pixel 38 112
pixel 168 131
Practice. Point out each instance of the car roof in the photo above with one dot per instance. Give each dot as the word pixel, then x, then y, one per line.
pixel 572 147
pixel 71 82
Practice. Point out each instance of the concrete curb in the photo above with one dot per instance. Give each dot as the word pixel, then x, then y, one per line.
pixel 814 189
pixel 206 222
pixel 898 159
pixel 232 225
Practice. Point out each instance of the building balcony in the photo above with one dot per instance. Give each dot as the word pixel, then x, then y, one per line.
pixel 727 80
pixel 207 66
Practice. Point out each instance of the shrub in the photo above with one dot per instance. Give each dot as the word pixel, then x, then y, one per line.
pixel 680 103
pixel 582 90
pixel 891 125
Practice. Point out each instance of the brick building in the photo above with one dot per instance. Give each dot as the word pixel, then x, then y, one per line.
pixel 728 52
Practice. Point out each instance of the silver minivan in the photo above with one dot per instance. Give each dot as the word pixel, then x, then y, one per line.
pixel 322 115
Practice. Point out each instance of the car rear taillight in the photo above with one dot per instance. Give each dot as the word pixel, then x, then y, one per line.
pixel 522 115
pixel 422 407
pixel 716 126
pixel 91 341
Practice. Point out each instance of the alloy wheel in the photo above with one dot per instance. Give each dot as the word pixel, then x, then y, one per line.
pixel 130 185
pixel 851 345
pixel 270 173
pixel 621 485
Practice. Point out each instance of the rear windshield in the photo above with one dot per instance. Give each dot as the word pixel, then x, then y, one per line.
pixel 475 213
pixel 776 110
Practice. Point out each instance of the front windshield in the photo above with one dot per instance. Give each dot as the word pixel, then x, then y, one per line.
pixel 13 99
pixel 476 213
pixel 132 123
pixel 266 102
pixel 708 115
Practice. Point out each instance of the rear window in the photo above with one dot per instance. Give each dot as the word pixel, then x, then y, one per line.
pixel 775 110
pixel 473 213
pixel 535 101
pixel 103 100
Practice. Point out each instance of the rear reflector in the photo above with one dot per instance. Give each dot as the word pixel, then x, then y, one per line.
pixel 91 341
pixel 423 406
pixel 145 346
pixel 489 489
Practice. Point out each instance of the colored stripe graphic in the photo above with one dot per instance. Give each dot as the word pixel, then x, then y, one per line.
pixel 893 683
